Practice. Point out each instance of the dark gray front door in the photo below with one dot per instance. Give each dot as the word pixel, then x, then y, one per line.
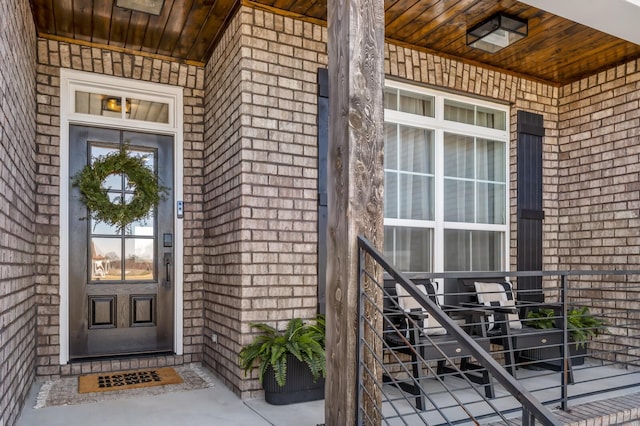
pixel 121 292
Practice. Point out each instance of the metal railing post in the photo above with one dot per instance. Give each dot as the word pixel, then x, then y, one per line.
pixel 564 391
pixel 359 354
pixel 528 419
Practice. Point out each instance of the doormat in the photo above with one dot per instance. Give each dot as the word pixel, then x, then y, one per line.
pixel 64 390
pixel 123 380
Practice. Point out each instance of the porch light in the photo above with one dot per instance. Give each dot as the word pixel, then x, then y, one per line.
pixel 114 104
pixel 153 7
pixel 497 32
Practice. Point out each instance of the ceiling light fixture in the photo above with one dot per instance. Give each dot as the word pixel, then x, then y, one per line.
pixel 497 32
pixel 152 7
pixel 114 104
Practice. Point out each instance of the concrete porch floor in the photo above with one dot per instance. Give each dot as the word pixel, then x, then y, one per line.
pixel 218 406
pixel 215 405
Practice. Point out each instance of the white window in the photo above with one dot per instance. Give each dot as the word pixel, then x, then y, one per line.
pixel 446 181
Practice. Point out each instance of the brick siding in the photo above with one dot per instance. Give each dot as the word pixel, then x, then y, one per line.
pixel 53 55
pixel 599 187
pixel 17 207
pixel 599 170
pixel 260 182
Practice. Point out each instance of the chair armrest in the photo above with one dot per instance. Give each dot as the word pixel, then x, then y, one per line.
pixel 416 314
pixel 492 309
pixel 465 310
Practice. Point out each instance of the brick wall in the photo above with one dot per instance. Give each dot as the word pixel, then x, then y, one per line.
pixel 222 202
pixel 599 170
pixel 599 187
pixel 53 55
pixel 260 182
pixel 17 207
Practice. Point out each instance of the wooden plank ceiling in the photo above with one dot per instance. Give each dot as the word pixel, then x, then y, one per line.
pixel 556 50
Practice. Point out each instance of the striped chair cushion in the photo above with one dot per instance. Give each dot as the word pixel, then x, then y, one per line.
pixel 407 303
pixel 497 294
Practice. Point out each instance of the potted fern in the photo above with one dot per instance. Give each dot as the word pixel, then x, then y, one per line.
pixel 581 324
pixel 291 363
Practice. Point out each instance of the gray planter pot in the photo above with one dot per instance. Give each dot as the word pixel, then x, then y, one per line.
pixel 551 357
pixel 299 386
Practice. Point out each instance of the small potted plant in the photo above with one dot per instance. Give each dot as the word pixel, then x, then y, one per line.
pixel 291 363
pixel 581 324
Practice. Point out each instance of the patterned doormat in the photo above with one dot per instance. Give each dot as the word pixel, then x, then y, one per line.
pixel 123 380
pixel 66 391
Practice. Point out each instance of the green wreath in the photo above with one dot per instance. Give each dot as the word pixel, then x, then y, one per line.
pixel 147 191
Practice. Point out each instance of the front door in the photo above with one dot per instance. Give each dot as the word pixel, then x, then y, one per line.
pixel 121 292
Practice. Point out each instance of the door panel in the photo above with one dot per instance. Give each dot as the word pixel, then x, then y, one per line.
pixel 121 296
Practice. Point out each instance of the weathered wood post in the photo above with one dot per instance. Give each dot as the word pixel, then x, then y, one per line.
pixel 354 183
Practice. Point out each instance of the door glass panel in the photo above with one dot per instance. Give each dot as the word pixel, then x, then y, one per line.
pixel 112 181
pixel 148 161
pixel 100 151
pixel 98 227
pixel 106 255
pixel 143 227
pixel 139 258
pixel 136 263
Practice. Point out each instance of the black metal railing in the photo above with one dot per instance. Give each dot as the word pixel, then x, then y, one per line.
pixel 531 370
pixel 408 376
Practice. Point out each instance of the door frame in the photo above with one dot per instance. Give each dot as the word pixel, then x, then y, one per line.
pixel 72 81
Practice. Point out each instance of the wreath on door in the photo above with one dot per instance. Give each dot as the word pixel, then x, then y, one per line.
pixel 118 212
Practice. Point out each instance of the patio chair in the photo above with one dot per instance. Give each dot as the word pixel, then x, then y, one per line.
pixel 507 326
pixel 429 341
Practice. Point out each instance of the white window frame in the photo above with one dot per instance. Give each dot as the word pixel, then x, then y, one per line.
pixel 440 126
pixel 72 81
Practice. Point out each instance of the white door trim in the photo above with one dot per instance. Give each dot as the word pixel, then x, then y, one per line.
pixel 70 81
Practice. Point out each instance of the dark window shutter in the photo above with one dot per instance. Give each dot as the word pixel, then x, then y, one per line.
pixel 323 144
pixel 529 204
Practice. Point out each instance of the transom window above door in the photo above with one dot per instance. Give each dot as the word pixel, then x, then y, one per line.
pixel 110 105
pixel 446 181
pixel 122 103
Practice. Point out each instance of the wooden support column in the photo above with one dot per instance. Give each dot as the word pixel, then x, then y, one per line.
pixel 354 183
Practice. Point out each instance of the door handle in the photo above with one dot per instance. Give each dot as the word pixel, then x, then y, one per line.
pixel 166 260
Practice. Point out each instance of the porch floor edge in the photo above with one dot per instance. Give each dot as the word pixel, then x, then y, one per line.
pixel 620 410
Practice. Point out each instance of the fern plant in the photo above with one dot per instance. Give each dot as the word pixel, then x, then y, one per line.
pixel 270 348
pixel 582 325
